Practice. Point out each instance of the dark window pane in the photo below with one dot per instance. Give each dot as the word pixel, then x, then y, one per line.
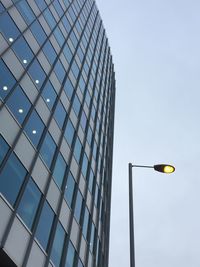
pixel 69 190
pixel 58 245
pixel 44 225
pixel 7 80
pixel 19 104
pixel 84 165
pixel 92 237
pixel 69 132
pixel 29 203
pixel 49 95
pixel 23 51
pixel 77 150
pixel 38 32
pixel 60 114
pixel 78 206
pixel 8 27
pixel 34 128
pixel 11 178
pixel 49 52
pixel 37 73
pixel 48 149
pixel 25 11
pixel 70 256
pixel 85 223
pixel 59 170
pixel 68 87
pixel 60 71
pixel 3 148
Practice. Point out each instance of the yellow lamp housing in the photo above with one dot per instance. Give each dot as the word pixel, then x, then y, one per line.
pixel 165 168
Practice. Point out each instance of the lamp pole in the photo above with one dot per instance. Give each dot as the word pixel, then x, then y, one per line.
pixel 160 168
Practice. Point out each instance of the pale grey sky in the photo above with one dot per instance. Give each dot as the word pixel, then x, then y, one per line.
pixel 156 52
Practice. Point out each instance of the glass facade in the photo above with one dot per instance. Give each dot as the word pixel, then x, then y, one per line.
pixel 57 100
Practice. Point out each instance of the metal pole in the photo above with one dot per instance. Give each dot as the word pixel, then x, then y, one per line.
pixel 131 218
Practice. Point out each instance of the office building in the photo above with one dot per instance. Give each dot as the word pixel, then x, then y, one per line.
pixel 57 98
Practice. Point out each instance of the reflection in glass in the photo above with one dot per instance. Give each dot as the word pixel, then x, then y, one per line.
pixel 48 149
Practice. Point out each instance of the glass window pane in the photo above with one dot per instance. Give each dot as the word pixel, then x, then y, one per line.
pixel 91 179
pixel 76 105
pixel 83 120
pixel 26 11
pixel 69 89
pixel 44 225
pixel 19 104
pixel 23 51
pixel 69 132
pixel 49 52
pixel 69 190
pixel 80 263
pixel 58 245
pixel 48 149
pixel 59 36
pixel 85 223
pixel 49 18
pixel 78 206
pixel 60 71
pixel 59 170
pixel 29 203
pixel 38 32
pixel 37 73
pixel 11 178
pixel 67 52
pixel 75 69
pixel 77 150
pixel 84 165
pixel 7 80
pixel 49 95
pixel 34 128
pixel 3 148
pixel 41 4
pixel 60 114
pixel 70 255
pixel 8 27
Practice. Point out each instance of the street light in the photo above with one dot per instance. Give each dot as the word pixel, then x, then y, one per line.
pixel 164 168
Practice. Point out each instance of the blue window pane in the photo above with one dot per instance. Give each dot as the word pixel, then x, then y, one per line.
pixel 80 263
pixel 69 89
pixel 58 245
pixel 41 4
pixel 85 223
pixel 49 52
pixel 78 206
pixel 60 71
pixel 7 80
pixel 60 114
pixel 84 165
pixel 92 237
pixel 19 104
pixel 34 128
pixel 91 180
pixel 83 120
pixel 69 190
pixel 89 136
pixel 23 51
pixel 26 11
pixel 73 39
pixel 96 195
pixel 1 8
pixel 69 132
pixel 38 32
pixel 3 149
pixel 59 170
pixel 11 178
pixel 88 98
pixel 67 52
pixel 70 256
pixel 58 8
pixel 66 24
pixel 49 18
pixel 49 95
pixel 82 84
pixel 44 225
pixel 29 203
pixel 59 36
pixel 48 149
pixel 37 73
pixel 8 27
pixel 75 69
pixel 77 150
pixel 76 105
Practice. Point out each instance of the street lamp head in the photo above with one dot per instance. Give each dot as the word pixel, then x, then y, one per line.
pixel 164 168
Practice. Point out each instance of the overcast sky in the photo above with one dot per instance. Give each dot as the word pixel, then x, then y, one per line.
pixel 156 52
